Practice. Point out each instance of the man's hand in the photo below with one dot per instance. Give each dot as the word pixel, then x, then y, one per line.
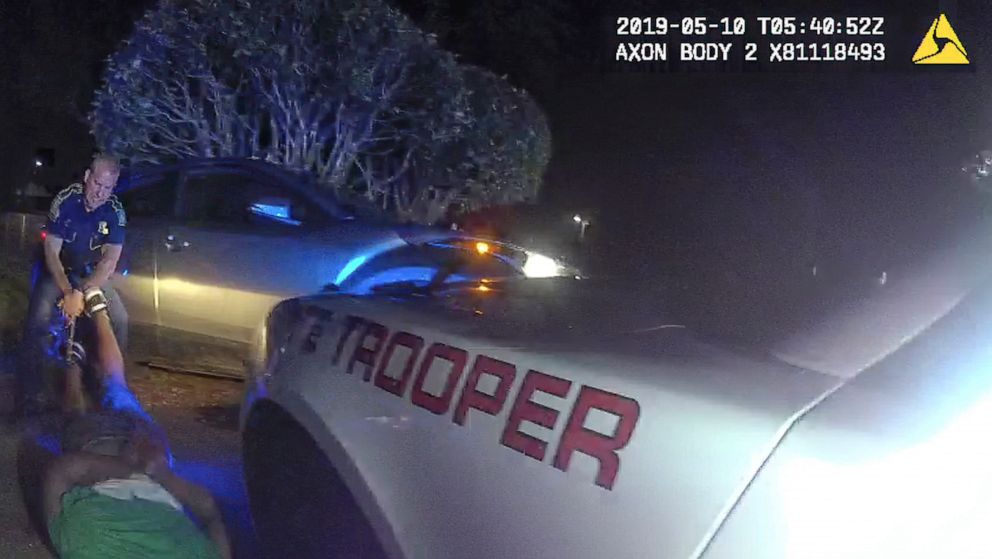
pixel 151 457
pixel 72 304
pixel 148 456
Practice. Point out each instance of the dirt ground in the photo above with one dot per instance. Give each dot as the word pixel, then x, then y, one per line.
pixel 200 416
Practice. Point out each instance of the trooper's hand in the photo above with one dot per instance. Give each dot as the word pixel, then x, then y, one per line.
pixel 72 304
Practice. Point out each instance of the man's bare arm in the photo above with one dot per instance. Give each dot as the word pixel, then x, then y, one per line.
pixel 106 267
pixel 201 503
pixel 78 469
pixel 53 247
pixel 109 360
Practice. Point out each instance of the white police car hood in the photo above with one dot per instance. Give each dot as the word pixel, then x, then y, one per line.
pixel 566 314
pixel 700 418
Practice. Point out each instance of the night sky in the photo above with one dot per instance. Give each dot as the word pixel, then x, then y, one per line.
pixel 688 173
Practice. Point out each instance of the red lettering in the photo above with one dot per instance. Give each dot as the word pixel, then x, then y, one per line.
pixel 439 404
pixel 473 398
pixel 577 438
pixel 311 327
pixel 526 410
pixel 350 325
pixel 304 335
pixel 365 355
pixel 393 385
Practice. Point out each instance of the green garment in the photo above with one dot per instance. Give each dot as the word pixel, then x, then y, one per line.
pixel 95 526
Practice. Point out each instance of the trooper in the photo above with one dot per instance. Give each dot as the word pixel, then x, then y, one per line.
pixel 84 240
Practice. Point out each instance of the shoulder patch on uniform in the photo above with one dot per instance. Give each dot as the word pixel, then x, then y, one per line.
pixel 119 211
pixel 62 196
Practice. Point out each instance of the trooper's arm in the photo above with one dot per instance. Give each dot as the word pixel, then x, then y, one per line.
pixel 106 267
pixel 72 299
pixel 53 246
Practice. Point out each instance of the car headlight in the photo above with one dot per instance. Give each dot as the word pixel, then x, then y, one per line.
pixel 541 266
pixel 530 264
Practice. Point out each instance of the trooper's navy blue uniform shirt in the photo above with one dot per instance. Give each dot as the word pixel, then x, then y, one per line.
pixel 84 233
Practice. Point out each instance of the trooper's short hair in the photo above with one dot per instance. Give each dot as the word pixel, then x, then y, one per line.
pixel 111 162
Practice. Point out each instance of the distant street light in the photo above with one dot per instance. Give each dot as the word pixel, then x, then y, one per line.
pixel 38 163
pixel 583 223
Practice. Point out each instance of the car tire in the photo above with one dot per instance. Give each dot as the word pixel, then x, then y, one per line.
pixel 299 504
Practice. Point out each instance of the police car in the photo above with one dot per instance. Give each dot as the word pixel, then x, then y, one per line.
pixel 559 418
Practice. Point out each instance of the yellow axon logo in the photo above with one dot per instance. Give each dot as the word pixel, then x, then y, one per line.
pixel 941 45
pixel 103 229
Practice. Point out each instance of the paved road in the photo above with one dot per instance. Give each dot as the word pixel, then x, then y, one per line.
pixel 200 416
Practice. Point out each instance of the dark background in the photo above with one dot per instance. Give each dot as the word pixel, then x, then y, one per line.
pixel 742 178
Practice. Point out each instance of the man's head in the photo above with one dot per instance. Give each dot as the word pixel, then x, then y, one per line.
pixel 100 179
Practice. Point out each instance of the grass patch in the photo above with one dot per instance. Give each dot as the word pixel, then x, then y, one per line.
pixel 13 307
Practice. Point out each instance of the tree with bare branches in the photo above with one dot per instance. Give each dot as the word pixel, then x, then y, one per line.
pixel 351 92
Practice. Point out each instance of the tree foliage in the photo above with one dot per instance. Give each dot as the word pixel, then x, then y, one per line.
pixel 351 92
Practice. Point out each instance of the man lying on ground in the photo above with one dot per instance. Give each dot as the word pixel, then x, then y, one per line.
pixel 113 494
